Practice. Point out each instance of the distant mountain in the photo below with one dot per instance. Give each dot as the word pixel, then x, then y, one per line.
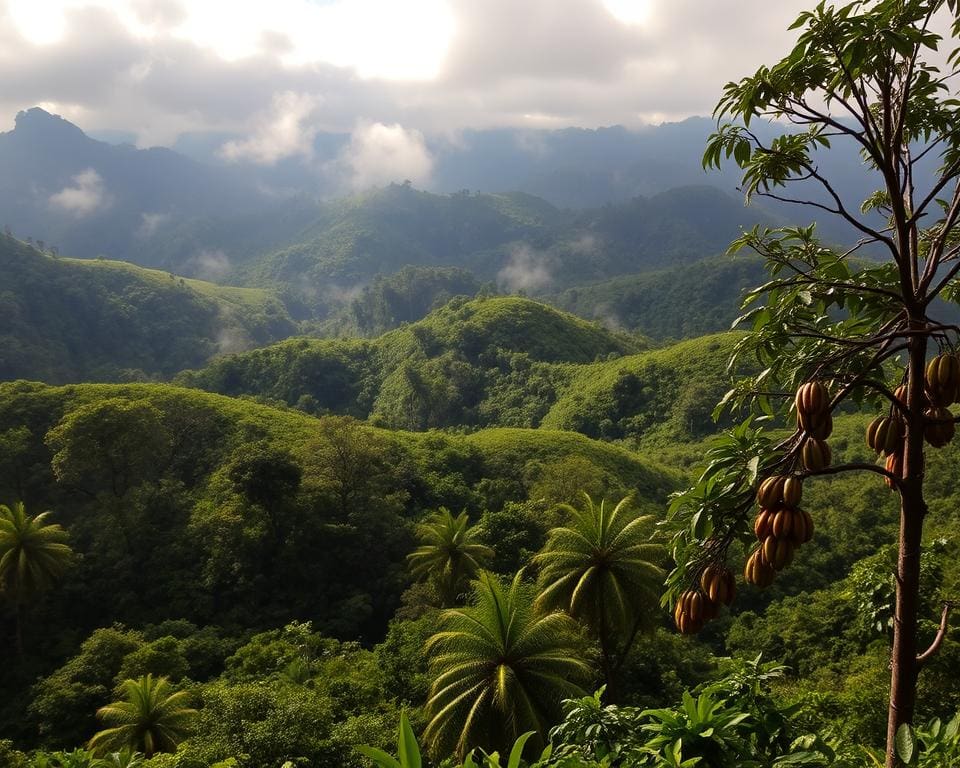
pixel 89 197
pixel 518 241
pixel 212 220
pixel 68 320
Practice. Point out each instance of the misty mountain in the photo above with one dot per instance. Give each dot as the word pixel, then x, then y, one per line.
pixel 161 207
pixel 89 197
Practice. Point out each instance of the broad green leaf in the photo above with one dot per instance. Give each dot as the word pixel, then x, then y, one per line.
pixel 906 743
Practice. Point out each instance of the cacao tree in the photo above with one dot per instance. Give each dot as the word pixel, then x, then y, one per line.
pixel 852 328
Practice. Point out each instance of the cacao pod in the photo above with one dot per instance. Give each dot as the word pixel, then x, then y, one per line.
pixel 782 526
pixel 939 431
pixel 770 492
pixel 815 454
pixel 942 377
pixel 761 526
pixel 807 526
pixel 792 491
pixel 894 465
pixel 758 572
pixel 812 398
pixel 885 435
pixel 718 584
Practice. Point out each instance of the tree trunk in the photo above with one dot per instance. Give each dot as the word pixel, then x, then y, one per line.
pixel 913 508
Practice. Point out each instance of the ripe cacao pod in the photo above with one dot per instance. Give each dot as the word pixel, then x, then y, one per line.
pixel 770 492
pixel 758 572
pixel 942 377
pixel 885 435
pixel 782 526
pixel 940 429
pixel 812 398
pixel 718 584
pixel 761 526
pixel 792 491
pixel 894 465
pixel 815 454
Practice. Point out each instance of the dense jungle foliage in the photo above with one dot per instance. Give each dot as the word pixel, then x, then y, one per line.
pixel 435 532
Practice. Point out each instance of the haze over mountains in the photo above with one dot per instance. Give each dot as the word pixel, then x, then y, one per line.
pixel 201 213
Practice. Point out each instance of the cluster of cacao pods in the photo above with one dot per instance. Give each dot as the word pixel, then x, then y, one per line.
pixel 695 607
pixel 885 436
pixel 780 527
pixel 816 423
pixel 942 388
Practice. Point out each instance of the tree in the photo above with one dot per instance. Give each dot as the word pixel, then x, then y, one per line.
pixel 151 719
pixel 501 669
pixel 602 569
pixel 33 554
pixel 839 330
pixel 449 554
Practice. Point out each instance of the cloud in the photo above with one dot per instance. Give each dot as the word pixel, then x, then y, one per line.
pixel 283 133
pixel 86 196
pixel 379 154
pixel 212 265
pixel 150 223
pixel 527 270
pixel 159 68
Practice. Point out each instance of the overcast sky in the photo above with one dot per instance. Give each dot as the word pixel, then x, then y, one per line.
pixel 276 71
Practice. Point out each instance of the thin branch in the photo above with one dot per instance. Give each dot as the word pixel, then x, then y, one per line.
pixel 840 468
pixel 924 657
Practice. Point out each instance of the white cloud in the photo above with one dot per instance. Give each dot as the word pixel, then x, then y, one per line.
pixel 210 265
pixel 162 67
pixel 379 154
pixel 87 195
pixel 150 223
pixel 527 270
pixel 284 132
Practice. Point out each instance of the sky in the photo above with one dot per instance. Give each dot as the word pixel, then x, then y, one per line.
pixel 273 73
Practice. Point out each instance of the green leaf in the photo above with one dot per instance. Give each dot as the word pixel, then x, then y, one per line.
pixel 514 760
pixel 407 748
pixel 380 757
pixel 906 743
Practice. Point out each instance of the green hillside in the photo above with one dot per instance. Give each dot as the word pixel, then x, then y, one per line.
pixel 485 362
pixel 679 302
pixel 167 461
pixel 72 320
pixel 665 393
pixel 380 232
pixel 518 240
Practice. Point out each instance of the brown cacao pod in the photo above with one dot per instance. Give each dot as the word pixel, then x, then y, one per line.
pixel 792 491
pixel 761 526
pixel 770 492
pixel 940 429
pixel 812 398
pixel 894 465
pixel 758 572
pixel 941 379
pixel 815 454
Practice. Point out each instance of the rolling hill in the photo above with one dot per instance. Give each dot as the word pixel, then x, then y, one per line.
pixel 72 320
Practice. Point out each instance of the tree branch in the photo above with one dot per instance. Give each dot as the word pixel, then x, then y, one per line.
pixel 924 657
pixel 841 468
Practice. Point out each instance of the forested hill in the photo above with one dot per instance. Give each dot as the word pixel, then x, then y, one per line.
pixel 518 240
pixel 75 320
pixel 496 361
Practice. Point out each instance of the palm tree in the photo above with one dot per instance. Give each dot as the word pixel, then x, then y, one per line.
pixel 33 555
pixel 602 569
pixel 500 668
pixel 151 719
pixel 448 555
